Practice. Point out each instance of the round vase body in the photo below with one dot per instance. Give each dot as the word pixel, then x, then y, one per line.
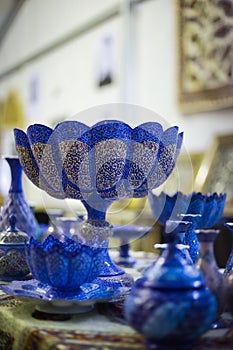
pixel 15 203
pixel 169 317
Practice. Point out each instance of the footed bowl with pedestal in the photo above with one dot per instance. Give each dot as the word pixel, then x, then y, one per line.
pixel 98 165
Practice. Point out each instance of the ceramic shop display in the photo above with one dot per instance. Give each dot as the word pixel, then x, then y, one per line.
pixel 96 165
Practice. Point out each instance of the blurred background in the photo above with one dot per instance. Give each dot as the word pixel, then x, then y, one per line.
pixel 171 57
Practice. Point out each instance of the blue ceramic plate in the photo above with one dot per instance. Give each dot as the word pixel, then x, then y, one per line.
pixel 97 291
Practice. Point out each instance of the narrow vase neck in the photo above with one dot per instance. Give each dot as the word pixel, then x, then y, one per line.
pixel 16 175
pixel 204 246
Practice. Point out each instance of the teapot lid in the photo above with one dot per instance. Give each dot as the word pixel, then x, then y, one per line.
pixel 12 234
pixel 171 270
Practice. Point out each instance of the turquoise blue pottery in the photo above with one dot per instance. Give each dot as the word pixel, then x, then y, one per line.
pixel 65 265
pixel 16 204
pixel 171 305
pixel 13 263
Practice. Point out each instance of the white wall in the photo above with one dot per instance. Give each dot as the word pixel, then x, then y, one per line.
pixel 67 77
pixel 144 65
pixel 41 22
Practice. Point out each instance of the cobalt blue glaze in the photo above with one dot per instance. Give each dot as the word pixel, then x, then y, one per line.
pixel 16 204
pixel 98 290
pixel 16 172
pixel 190 236
pixel 110 268
pixel 209 206
pixel 64 265
pixel 177 231
pixel 170 305
pixel 99 164
pixel 169 318
pixel 202 210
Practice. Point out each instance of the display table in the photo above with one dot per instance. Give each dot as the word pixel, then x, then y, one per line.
pixel 20 330
pixel 24 328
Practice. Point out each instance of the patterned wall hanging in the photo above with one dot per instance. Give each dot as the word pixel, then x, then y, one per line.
pixel 205 54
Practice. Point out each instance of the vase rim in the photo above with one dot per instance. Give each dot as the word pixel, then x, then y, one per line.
pixel 207 231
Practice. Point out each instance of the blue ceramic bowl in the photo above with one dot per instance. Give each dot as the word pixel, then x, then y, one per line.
pixel 66 265
pixel 109 159
pixel 210 207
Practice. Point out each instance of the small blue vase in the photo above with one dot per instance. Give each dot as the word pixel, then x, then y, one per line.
pixel 206 263
pixel 16 204
pixel 171 305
